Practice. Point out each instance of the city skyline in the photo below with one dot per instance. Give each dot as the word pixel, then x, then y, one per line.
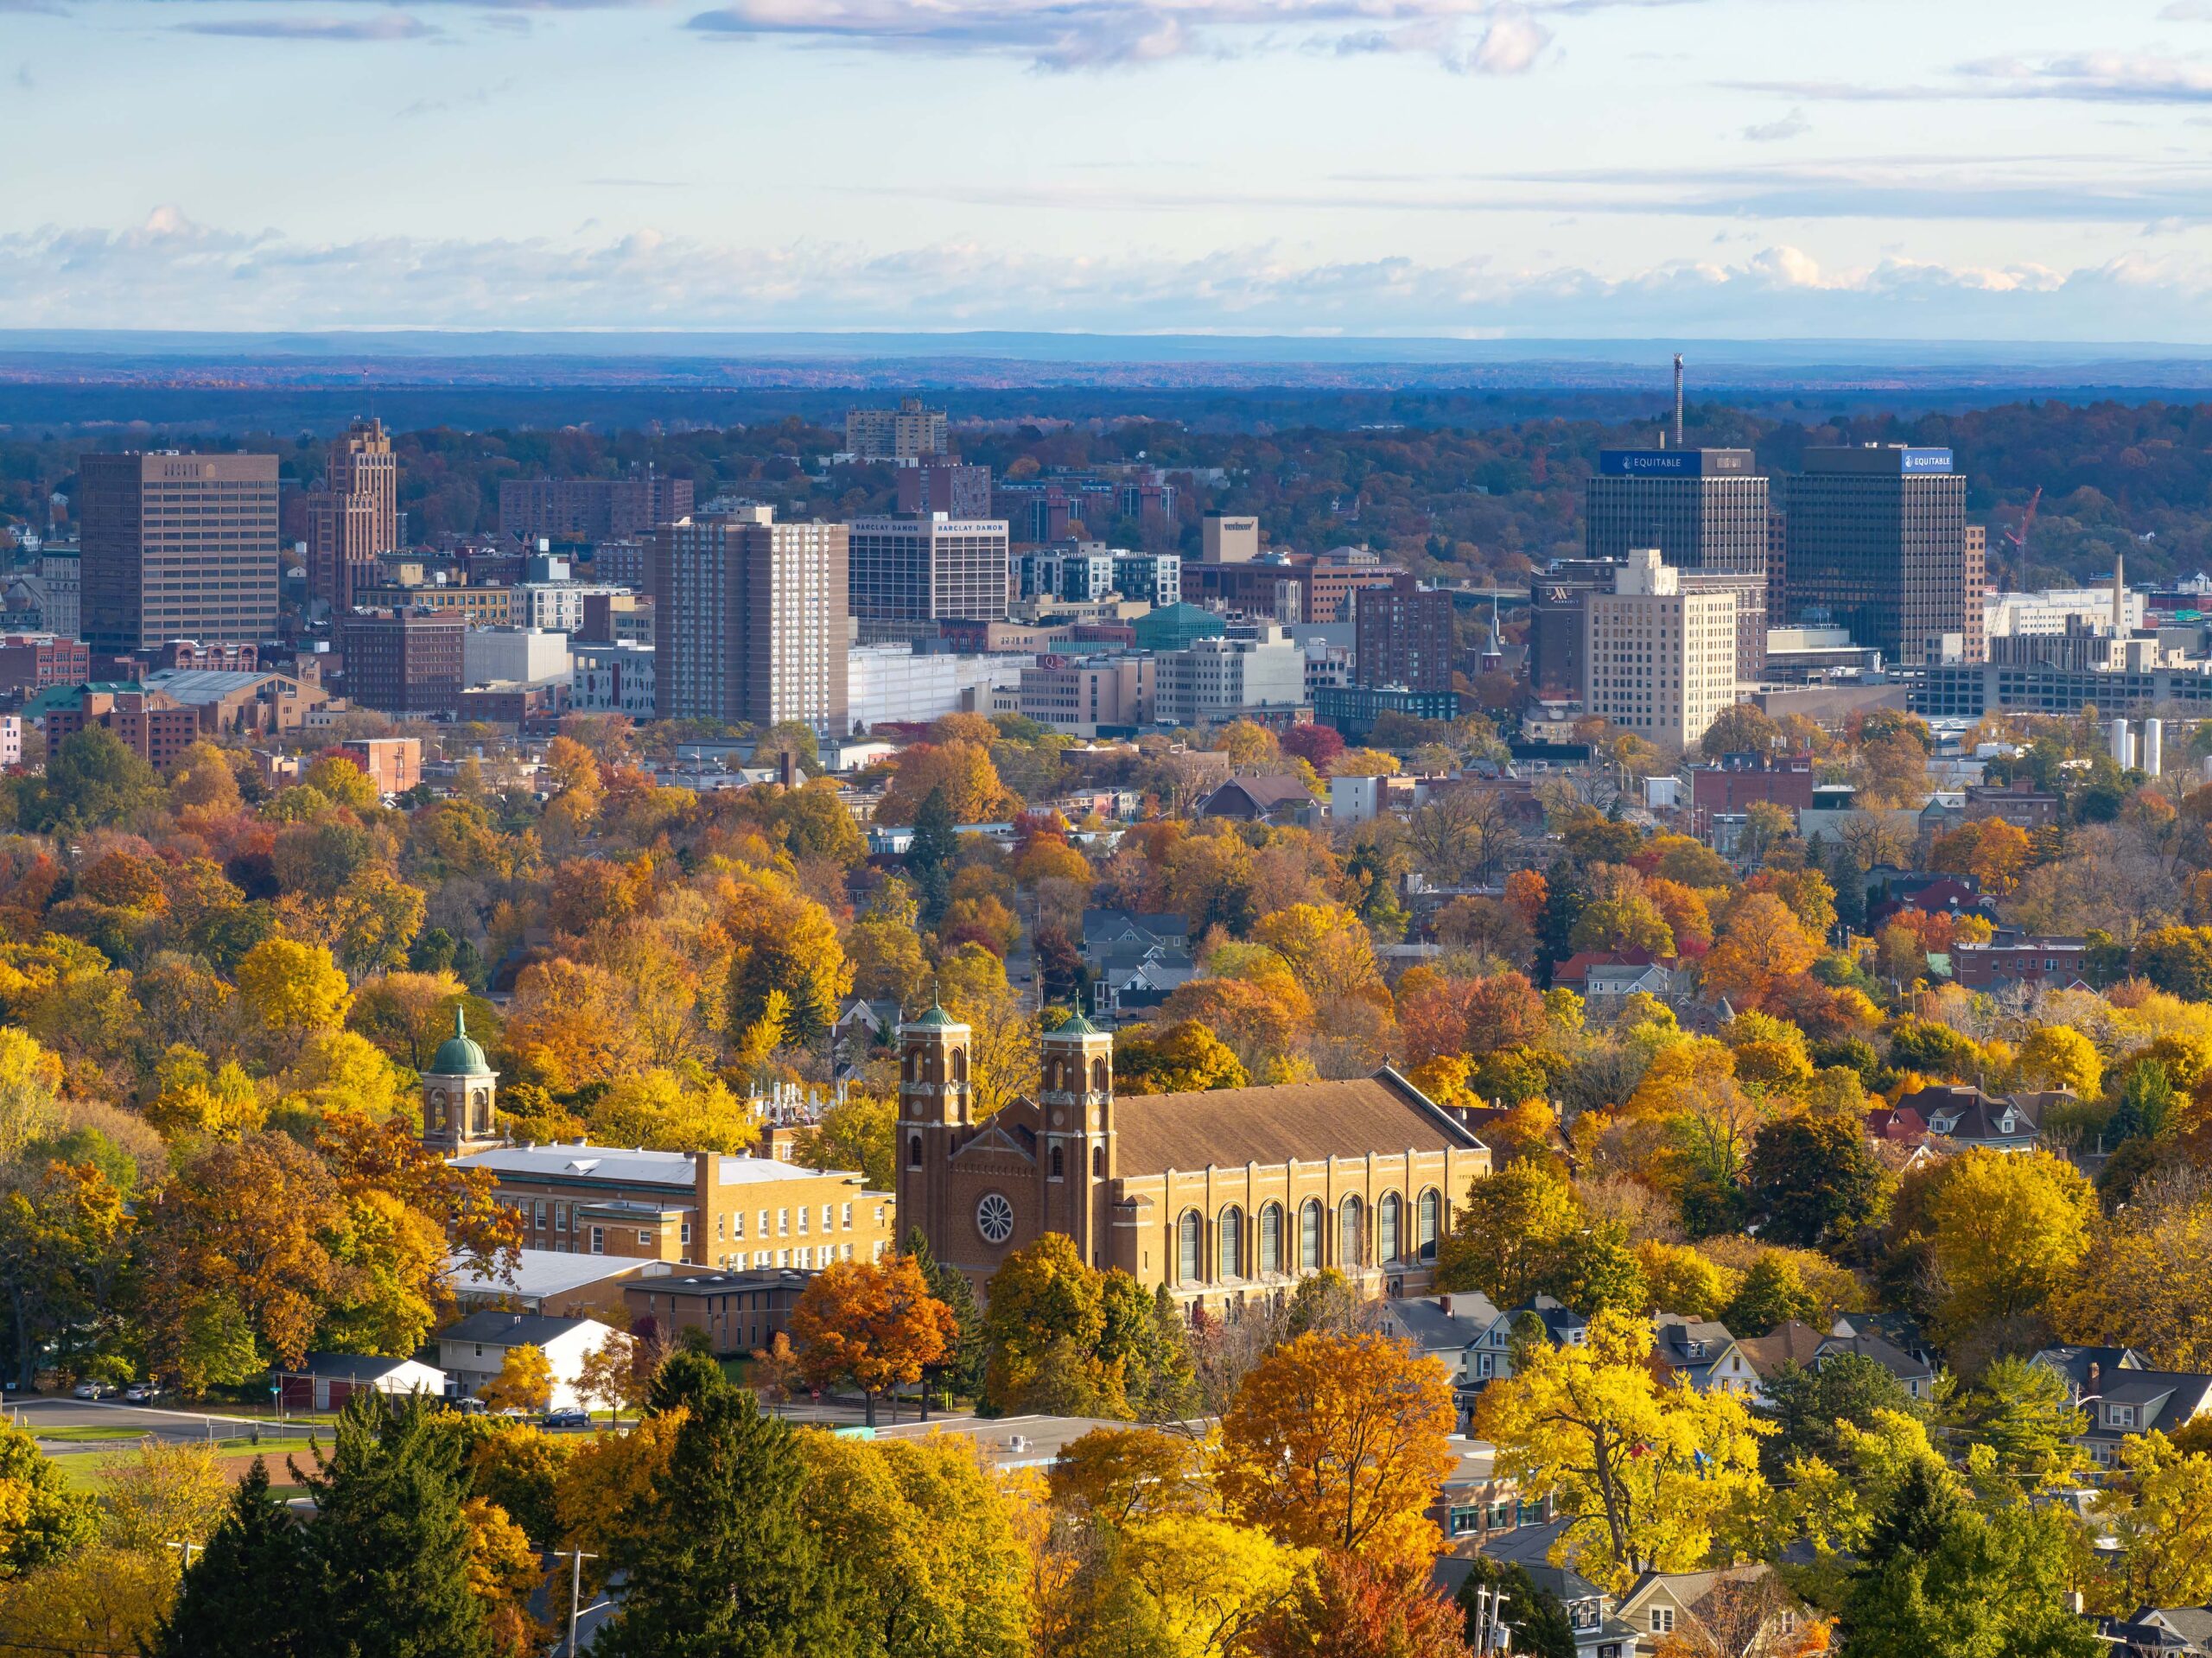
pixel 1709 168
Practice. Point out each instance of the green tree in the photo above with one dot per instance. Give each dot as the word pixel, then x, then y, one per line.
pixel 717 1559
pixel 1773 1293
pixel 2024 1412
pixel 962 1372
pixel 42 1519
pixel 2147 1104
pixel 1149 1340
pixel 389 1552
pixel 1807 1409
pixel 92 781
pixel 1504 1242
pixel 1045 1315
pixel 1940 1578
pixel 248 1591
pixel 931 855
pixel 1815 1181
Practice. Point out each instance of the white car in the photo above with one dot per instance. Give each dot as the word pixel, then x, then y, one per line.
pixel 142 1393
pixel 93 1390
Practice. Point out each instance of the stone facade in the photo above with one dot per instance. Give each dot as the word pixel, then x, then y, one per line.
pixel 1220 1197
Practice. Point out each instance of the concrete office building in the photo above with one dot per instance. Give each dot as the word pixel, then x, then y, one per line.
pixel 1659 657
pixel 893 684
pixel 612 678
pixel 1225 538
pixel 177 547
pixel 906 433
pixel 1877 543
pixel 1085 696
pixel 751 623
pixel 528 655
pixel 558 607
pixel 1705 510
pixel 925 567
pixel 352 515
pixel 1401 636
pixel 61 573
pixel 1218 680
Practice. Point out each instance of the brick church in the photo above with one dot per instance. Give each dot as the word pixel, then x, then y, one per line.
pixel 1221 1196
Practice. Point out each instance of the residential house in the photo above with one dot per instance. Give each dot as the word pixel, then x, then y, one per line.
pixel 2159 1632
pixel 1741 1609
pixel 1596 974
pixel 1791 1343
pixel 1281 799
pixel 1473 1505
pixel 1455 1327
pixel 1103 929
pixel 2014 957
pixel 1965 1118
pixel 473 1351
pixel 327 1380
pixel 864 1028
pixel 1701 1352
pixel 2122 1396
pixel 1135 978
pixel 2019 804
pixel 1913 1371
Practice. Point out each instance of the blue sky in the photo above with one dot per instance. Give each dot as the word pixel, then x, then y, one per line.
pixel 1734 168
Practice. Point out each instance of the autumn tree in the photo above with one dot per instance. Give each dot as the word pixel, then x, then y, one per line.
pixel 1044 1317
pixel 1650 1474
pixel 241 1597
pixel 1506 1242
pixel 525 1381
pixel 2159 1508
pixel 293 989
pixel 1340 1442
pixel 2005 1232
pixel 873 1324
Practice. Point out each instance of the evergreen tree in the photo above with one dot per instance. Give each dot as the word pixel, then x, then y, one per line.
pixel 685 1377
pixel 388 1553
pixel 1809 1408
pixel 1564 900
pixel 931 855
pixel 717 1561
pixel 963 1371
pixel 244 1593
pixel 1849 881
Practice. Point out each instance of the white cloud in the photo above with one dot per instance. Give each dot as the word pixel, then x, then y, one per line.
pixel 55 276
pixel 1477 36
pixel 1768 132
pixel 390 26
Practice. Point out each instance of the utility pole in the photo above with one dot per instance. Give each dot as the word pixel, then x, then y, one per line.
pixel 186 1548
pixel 576 1559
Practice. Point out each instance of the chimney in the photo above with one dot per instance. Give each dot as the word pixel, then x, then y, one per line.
pixel 787 769
pixel 2120 596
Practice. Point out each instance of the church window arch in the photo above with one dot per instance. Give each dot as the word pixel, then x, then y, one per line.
pixel 1309 1235
pixel 1351 1217
pixel 1060 1164
pixel 1101 1075
pixel 1098 1162
pixel 1270 1238
pixel 1190 1247
pixel 1232 1242
pixel 960 1065
pixel 1390 1229
pixel 913 1152
pixel 1429 1222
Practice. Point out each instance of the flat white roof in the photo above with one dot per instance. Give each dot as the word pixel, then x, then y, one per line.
pixel 548 1272
pixel 622 1164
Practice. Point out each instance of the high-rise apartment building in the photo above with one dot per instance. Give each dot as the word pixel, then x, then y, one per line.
pixel 1401 635
pixel 354 517
pixel 902 434
pixel 926 566
pixel 1706 513
pixel 1877 543
pixel 177 546
pixel 936 485
pixel 750 622
pixel 1659 659
pixel 592 508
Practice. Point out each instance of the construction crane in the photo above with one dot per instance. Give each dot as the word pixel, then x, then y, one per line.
pixel 2019 537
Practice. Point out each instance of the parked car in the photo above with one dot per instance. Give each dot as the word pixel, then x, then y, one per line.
pixel 143 1392
pixel 464 1404
pixel 565 1419
pixel 93 1390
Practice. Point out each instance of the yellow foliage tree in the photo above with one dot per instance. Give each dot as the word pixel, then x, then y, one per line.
pixel 1650 1474
pixel 293 989
pixel 2005 1232
pixel 524 1382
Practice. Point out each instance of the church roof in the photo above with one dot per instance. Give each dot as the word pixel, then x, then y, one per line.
pixel 1303 1121
pixel 935 1020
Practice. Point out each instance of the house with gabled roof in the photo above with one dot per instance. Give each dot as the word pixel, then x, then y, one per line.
pixel 1701 1352
pixel 1738 1609
pixel 1964 1118
pixel 2122 1396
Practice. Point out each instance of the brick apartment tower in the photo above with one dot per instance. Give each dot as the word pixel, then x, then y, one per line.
pixel 177 546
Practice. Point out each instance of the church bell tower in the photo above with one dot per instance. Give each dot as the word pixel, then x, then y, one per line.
pixel 934 1114
pixel 457 1095
pixel 1078 1163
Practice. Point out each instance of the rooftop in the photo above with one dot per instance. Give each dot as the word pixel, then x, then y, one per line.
pixel 621 1164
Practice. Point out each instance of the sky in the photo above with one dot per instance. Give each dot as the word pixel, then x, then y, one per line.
pixel 1581 168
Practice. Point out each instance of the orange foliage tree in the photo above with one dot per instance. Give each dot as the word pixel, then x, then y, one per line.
pixel 872 1323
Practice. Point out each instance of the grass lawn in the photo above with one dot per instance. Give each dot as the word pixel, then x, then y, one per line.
pixel 88 1435
pixel 81 1469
